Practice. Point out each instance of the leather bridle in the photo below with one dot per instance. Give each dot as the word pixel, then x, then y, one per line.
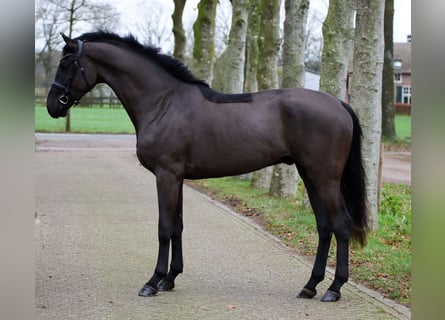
pixel 68 95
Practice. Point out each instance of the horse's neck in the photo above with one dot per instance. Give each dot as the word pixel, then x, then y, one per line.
pixel 133 77
pixel 138 83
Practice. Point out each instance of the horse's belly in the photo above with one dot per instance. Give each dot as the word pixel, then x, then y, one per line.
pixel 230 164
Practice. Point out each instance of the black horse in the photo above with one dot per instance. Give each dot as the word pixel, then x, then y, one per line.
pixel 184 131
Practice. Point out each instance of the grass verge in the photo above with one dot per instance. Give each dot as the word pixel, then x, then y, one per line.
pixel 383 265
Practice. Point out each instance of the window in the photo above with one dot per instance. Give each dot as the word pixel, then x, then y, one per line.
pixel 397 64
pixel 403 95
pixel 397 78
pixel 406 95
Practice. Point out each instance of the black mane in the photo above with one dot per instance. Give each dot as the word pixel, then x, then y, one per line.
pixel 175 67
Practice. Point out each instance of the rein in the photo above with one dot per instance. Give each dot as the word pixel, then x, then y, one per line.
pixel 68 94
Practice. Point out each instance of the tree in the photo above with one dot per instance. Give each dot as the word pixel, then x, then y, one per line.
pixel 178 30
pixel 251 62
pixel 234 55
pixel 284 177
pixel 78 14
pixel 294 42
pixel 48 32
pixel 388 110
pixel 223 23
pixel 218 72
pixel 338 35
pixel 154 32
pixel 267 77
pixel 366 91
pixel 313 41
pixel 269 44
pixel 204 44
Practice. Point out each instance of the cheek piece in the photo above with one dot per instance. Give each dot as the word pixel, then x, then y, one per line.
pixel 68 95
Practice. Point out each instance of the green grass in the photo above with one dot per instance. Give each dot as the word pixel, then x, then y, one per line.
pixel 384 264
pixel 403 126
pixel 86 120
pixel 403 132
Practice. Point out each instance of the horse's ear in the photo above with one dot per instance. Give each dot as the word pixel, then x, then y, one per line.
pixel 68 41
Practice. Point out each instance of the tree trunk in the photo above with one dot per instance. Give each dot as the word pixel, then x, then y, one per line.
pixel 251 65
pixel 366 91
pixel 268 44
pixel 251 55
pixel 388 109
pixel 294 43
pixel 178 30
pixel 284 177
pixel 267 77
pixel 218 72
pixel 284 180
pixel 72 11
pixel 338 35
pixel 235 53
pixel 204 44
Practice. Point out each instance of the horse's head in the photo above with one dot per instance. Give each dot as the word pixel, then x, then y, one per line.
pixel 75 76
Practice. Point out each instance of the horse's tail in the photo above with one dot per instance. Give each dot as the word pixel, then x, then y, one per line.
pixel 353 185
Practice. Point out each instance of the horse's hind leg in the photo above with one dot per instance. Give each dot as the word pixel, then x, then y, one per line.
pixel 341 227
pixel 327 203
pixel 324 240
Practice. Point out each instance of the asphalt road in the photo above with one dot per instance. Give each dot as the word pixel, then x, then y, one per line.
pixel 96 245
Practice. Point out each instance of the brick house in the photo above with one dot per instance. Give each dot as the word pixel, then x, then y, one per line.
pixel 402 77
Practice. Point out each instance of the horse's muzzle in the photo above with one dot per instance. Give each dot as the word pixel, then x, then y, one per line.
pixel 58 103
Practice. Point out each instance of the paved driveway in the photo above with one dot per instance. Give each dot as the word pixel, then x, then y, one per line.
pixel 96 245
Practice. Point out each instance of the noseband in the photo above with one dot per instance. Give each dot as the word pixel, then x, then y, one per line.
pixel 68 94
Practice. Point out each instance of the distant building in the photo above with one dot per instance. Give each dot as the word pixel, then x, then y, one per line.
pixel 402 77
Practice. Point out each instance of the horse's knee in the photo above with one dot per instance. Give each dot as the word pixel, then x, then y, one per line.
pixel 324 231
pixel 342 229
pixel 165 234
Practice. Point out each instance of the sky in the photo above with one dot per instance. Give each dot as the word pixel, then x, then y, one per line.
pixel 402 20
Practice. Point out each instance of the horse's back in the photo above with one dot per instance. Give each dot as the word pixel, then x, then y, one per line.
pixel 314 104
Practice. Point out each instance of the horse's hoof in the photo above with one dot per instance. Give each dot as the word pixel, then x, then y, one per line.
pixel 165 285
pixel 307 293
pixel 147 291
pixel 331 296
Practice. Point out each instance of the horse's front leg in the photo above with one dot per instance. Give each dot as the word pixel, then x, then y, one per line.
pixel 177 263
pixel 169 189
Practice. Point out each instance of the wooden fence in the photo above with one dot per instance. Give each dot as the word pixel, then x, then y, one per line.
pixel 403 108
